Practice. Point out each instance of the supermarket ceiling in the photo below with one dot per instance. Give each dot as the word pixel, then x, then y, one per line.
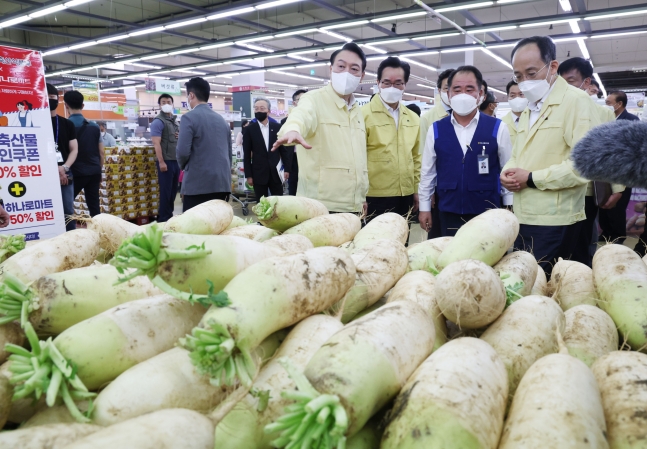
pixel 124 41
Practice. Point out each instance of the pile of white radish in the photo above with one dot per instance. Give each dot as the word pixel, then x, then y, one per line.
pixel 307 330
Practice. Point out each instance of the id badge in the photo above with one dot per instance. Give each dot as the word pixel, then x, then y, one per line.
pixel 59 156
pixel 484 165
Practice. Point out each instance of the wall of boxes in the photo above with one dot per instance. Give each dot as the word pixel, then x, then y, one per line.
pixel 129 187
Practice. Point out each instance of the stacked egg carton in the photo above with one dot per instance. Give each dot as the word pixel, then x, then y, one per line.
pixel 129 188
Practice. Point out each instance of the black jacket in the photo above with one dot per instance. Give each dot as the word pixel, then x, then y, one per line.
pixel 258 160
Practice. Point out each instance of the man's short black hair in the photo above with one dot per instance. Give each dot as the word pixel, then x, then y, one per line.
pixel 509 86
pixel 73 99
pixel 621 97
pixel 584 67
pixel 547 48
pixel 394 63
pixel 489 99
pixel 159 100
pixel 415 108
pixel 350 46
pixel 200 88
pixel 51 90
pixel 443 76
pixel 297 93
pixel 485 91
pixel 595 83
pixel 467 68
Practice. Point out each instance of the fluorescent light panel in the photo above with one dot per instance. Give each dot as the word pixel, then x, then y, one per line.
pixel 583 49
pixel 498 58
pixel 618 14
pixel 420 64
pixel 400 16
pixel 490 29
pixel 392 41
pixel 345 25
pixel 460 7
pixel 295 33
pixel 275 4
pixel 234 12
pixel 630 33
pixel 146 31
pixel 46 11
pixel 186 23
pixel 554 22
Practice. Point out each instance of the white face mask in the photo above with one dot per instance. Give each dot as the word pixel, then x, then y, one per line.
pixel 103 134
pixel 391 95
pixel 167 108
pixel 534 90
pixel 463 104
pixel 344 83
pixel 610 108
pixel 594 97
pixel 518 104
pixel 445 98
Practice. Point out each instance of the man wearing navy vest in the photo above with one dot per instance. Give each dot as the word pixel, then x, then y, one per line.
pixel 463 157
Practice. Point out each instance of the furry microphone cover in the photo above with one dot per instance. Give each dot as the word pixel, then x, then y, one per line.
pixel 614 152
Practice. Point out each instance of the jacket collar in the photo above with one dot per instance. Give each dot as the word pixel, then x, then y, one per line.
pixel 339 101
pixel 377 105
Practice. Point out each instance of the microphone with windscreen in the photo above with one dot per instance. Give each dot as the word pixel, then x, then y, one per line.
pixel 614 152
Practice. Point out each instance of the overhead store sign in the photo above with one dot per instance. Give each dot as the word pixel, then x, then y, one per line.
pixel 157 86
pixel 29 181
pixel 90 91
pixel 244 88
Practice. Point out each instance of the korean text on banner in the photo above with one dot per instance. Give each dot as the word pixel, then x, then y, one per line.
pixel 29 179
pixel 159 86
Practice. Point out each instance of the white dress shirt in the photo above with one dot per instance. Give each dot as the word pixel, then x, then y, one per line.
pixel 265 130
pixel 535 108
pixel 395 113
pixel 465 134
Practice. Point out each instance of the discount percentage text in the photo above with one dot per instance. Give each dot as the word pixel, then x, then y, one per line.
pixel 7 172
pixel 22 218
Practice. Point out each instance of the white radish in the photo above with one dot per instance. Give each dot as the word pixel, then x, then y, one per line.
pixel 6 391
pixel 243 427
pixel 167 380
pixel 236 222
pixel 266 297
pixel 456 398
pixel 290 243
pixel 329 230
pixel 557 405
pixel 571 284
pixel 389 226
pixel 211 217
pixel 49 436
pixel 419 286
pixel 620 278
pixel 73 249
pixel 336 397
pixel 284 212
pixel 112 231
pixel 540 287
pixel 485 237
pixel 379 265
pixel 93 352
pixel 518 268
pixel 424 253
pixel 10 333
pixel 178 263
pixel 59 300
pixel 525 332
pixel 164 429
pixel 589 333
pixel 251 231
pixel 622 378
pixel 470 294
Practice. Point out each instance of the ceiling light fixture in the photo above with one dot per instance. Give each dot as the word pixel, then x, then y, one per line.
pixel 583 49
pixel 234 12
pixel 426 87
pixel 44 12
pixel 294 33
pixel 146 31
pixel 490 29
pixel 400 16
pixel 498 58
pixel 186 23
pixel 460 7
pixel 618 14
pixel 419 64
pixel 345 25
pixel 392 41
pixel 276 3
pixel 566 5
pixel 111 39
pixel 554 22
pixel 630 33
pixel 336 35
pixel 375 49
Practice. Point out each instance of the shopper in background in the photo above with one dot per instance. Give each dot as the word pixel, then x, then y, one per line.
pixel 414 108
pixel 164 134
pixel 489 105
pixel 66 151
pixel 441 109
pixel 203 149
pixel 293 181
pixel 89 161
pixel 548 192
pixel 239 138
pixel 107 138
pixel 392 144
pixel 463 157
pixel 517 103
pixel 329 126
pixel 617 100
pixel 613 221
pixel 594 90
pixel 259 162
pixel 578 72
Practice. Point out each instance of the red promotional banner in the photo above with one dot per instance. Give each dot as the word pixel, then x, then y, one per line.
pixel 29 181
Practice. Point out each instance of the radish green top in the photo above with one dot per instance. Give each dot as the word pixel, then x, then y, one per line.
pixel 10 245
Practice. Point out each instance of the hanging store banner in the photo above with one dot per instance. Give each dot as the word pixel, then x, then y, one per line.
pixel 90 91
pixel 29 182
pixel 158 86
